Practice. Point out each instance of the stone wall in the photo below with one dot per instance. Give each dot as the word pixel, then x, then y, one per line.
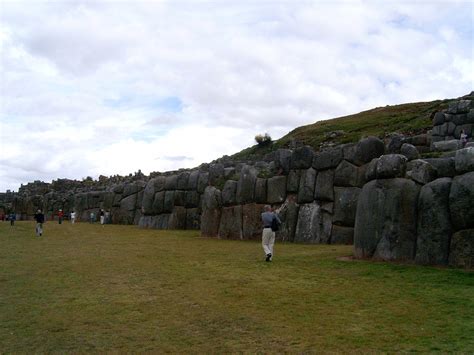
pixel 379 196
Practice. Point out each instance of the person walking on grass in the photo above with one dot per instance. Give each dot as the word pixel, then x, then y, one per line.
pixel 12 218
pixel 102 217
pixel 39 218
pixel 73 217
pixel 60 216
pixel 270 221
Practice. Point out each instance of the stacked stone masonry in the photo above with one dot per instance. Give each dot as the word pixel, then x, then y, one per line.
pixel 378 196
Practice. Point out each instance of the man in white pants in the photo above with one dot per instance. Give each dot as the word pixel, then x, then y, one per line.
pixel 268 235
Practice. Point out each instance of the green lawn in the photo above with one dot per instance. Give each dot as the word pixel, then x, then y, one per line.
pixel 92 288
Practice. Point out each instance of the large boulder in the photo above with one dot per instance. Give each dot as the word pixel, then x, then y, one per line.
pixel 246 185
pixel 438 119
pixel 342 235
pixel 365 150
pixel 385 225
pixel 345 205
pixel 211 212
pixel 461 201
pixel 261 190
pixel 446 146
pixel 177 219
pixel 193 180
pixel 462 249
pixel 128 203
pixel 421 171
pixel 302 158
pixel 158 203
pixel 171 182
pixel 228 193
pixel 445 167
pixel 216 172
pixel 133 188
pixel 324 189
pixel 288 214
pixel 293 181
pixel 307 184
pixel 203 182
pixel 327 159
pixel 348 174
pixel 252 221
pixel 182 182
pixel 282 159
pixel 434 223
pixel 168 202
pixel 391 166
pixel 276 189
pixel 193 219
pixel 464 160
pixel 314 224
pixel 192 199
pixel 409 151
pixel 230 226
pixel 461 106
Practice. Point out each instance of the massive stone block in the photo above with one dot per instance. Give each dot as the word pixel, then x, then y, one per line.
pixel 128 203
pixel 228 193
pixel 193 219
pixel 391 166
pixel 307 184
pixel 434 226
pixel 462 249
pixel 282 159
pixel 324 189
pixel 171 182
pixel 252 221
pixel 261 190
pixel 464 160
pixel 345 205
pixel 193 180
pixel 246 185
pixel 438 119
pixel 421 171
pixel 385 225
pixel 276 189
pixel 288 214
pixel 230 226
pixel 302 158
pixel 293 181
pixel 192 199
pixel 179 198
pixel 409 151
pixel 342 235
pixel 168 202
pixel 133 188
pixel 177 219
pixel 216 172
pixel 158 203
pixel 203 182
pixel 445 167
pixel 461 201
pixel 211 212
pixel 364 151
pixel 314 224
pixel 348 174
pixel 182 181
pixel 327 159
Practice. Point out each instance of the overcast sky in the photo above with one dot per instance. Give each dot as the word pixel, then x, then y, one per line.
pixel 110 87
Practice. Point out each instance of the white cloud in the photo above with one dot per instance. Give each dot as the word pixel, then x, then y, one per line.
pixel 163 85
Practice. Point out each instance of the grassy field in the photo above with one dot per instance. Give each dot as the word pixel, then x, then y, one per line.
pixel 92 288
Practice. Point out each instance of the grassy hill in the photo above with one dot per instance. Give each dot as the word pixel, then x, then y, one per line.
pixel 408 119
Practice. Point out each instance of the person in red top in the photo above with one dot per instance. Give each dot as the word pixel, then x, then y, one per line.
pixel 60 216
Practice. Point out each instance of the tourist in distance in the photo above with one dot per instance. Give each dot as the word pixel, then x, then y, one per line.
pixel 271 222
pixel 12 218
pixel 102 216
pixel 92 217
pixel 39 218
pixel 463 138
pixel 73 217
pixel 60 216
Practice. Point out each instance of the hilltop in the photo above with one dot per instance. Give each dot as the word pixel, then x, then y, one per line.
pixel 407 119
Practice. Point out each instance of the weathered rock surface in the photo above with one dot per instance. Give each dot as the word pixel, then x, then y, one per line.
pixel 409 151
pixel 461 201
pixel 464 160
pixel 307 184
pixel 276 189
pixel 421 171
pixel 385 225
pixel 324 189
pixel 314 224
pixel 231 223
pixel 434 226
pixel 345 205
pixel 391 166
pixel 462 249
pixel 327 159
